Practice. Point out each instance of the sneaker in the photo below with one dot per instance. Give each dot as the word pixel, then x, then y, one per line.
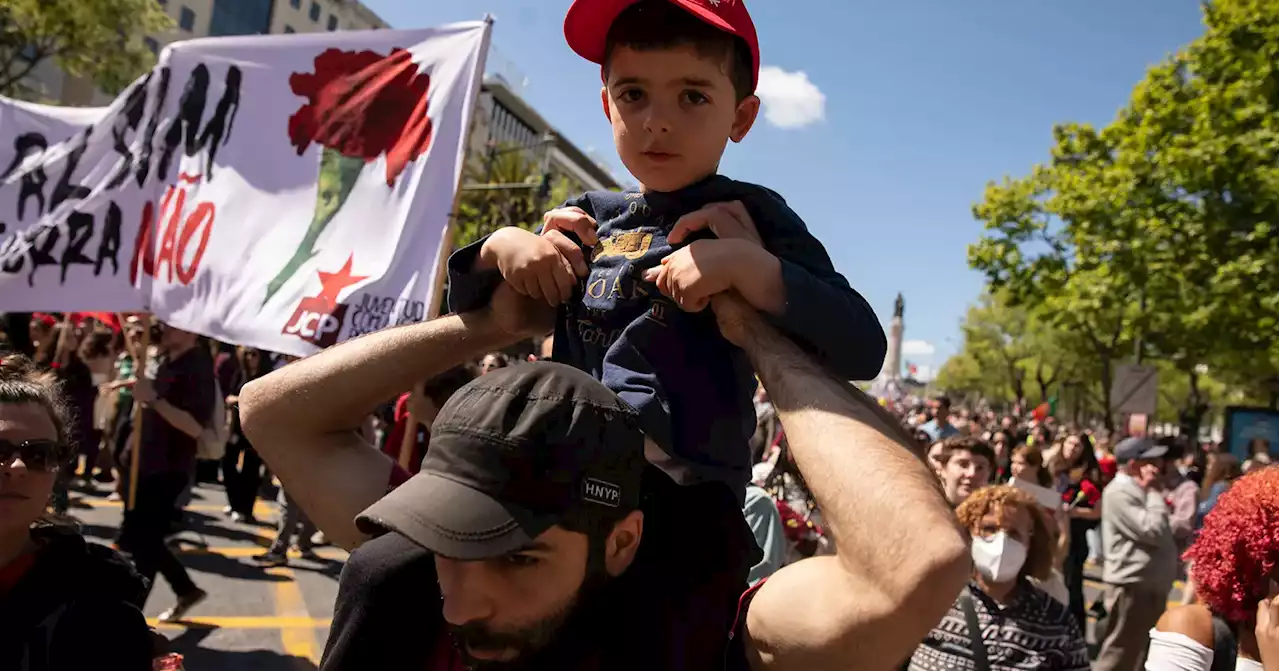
pixel 242 518
pixel 318 539
pixel 226 510
pixel 185 603
pixel 269 559
pixel 114 496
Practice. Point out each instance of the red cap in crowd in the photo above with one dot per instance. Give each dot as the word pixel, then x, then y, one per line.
pixel 587 25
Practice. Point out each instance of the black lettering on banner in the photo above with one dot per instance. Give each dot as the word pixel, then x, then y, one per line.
pixel 127 120
pixel 11 262
pixel 374 313
pixel 65 189
pixel 185 129
pixel 148 146
pixel 79 230
pixel 109 244
pixel 41 242
pixel 33 181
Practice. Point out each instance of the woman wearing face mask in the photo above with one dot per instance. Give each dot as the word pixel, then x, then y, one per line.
pixel 1021 626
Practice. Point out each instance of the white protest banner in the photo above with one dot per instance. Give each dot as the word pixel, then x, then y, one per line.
pixel 284 192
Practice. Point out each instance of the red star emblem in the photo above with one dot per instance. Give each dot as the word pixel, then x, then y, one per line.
pixel 333 283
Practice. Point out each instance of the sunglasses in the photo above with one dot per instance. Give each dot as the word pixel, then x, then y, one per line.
pixel 36 455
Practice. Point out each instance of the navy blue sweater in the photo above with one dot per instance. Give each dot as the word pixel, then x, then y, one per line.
pixel 693 389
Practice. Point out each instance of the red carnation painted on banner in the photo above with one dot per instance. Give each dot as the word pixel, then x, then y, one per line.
pixel 362 105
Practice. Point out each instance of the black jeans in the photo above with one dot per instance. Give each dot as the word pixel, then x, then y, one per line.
pixel 144 529
pixel 241 482
pixel 1073 572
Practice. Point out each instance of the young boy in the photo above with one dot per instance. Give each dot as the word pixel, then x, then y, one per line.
pixel 632 273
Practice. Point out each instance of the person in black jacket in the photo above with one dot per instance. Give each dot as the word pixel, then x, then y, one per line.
pixel 65 604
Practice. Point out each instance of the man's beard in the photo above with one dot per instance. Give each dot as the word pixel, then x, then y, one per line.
pixel 554 637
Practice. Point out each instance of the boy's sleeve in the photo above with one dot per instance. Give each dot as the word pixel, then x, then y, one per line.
pixel 470 289
pixel 824 315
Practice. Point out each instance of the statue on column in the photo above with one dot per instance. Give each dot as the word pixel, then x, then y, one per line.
pixel 898 306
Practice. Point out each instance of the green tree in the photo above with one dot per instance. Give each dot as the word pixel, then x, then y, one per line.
pixel 98 39
pixel 507 191
pixel 1157 234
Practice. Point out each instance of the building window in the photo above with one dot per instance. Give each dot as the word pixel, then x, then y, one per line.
pixel 315 11
pixel 289 29
pixel 240 17
pixel 187 19
pixel 151 45
pixel 333 22
pixel 296 4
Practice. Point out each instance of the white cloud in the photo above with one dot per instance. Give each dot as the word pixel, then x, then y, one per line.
pixel 790 99
pixel 917 348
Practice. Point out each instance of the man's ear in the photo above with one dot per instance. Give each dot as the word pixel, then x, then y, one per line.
pixel 623 542
pixel 744 117
pixel 604 103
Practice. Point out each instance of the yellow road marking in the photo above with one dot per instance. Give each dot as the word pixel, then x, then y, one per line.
pixel 260 507
pixel 1177 584
pixel 289 603
pixel 242 622
pixel 240 551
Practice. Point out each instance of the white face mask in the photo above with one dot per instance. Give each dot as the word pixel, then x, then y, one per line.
pixel 999 558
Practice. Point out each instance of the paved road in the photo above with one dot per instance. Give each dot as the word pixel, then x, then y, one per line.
pixel 258 619
pixel 255 619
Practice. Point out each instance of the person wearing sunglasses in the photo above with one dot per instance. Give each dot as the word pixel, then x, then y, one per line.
pixel 64 603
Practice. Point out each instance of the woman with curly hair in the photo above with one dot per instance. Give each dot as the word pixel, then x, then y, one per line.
pixel 1017 625
pixel 1233 561
pixel 64 603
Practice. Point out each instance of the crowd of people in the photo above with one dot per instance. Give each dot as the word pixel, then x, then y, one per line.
pixel 621 502
pixel 1045 502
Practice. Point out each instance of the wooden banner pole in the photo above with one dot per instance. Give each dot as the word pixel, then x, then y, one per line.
pixel 135 440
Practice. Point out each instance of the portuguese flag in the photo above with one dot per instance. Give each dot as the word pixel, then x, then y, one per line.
pixel 1045 409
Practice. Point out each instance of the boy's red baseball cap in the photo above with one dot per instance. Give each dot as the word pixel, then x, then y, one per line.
pixel 588 22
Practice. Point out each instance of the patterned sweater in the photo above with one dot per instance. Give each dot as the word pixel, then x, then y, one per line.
pixel 1032 632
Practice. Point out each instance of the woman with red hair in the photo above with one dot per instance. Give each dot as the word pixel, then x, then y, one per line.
pixel 1234 567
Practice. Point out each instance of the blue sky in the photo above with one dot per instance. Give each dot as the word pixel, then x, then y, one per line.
pixel 922 103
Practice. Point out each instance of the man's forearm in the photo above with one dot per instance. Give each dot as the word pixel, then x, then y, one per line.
pixel 336 389
pixel 878 495
pixel 177 418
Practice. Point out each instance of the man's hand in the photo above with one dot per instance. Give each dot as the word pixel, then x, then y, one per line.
pixel 520 316
pixel 542 267
pixel 734 316
pixel 727 220
pixel 144 391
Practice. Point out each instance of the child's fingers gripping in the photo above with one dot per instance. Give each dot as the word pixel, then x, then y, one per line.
pixel 571 220
pixel 569 251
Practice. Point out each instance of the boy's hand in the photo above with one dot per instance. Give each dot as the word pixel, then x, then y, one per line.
pixel 692 275
pixel 727 220
pixel 540 267
pixel 571 220
pixel 738 260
